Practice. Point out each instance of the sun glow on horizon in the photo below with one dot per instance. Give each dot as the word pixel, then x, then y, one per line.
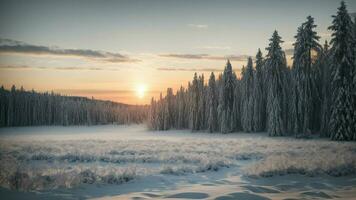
pixel 141 90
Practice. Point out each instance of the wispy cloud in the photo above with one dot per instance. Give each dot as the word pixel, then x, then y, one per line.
pixel 215 47
pixel 17 67
pixel 185 56
pixel 14 67
pixel 189 69
pixel 13 46
pixel 194 69
pixel 94 91
pixel 99 91
pixel 198 26
pixel 207 57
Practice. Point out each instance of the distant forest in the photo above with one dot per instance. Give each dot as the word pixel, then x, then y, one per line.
pixel 317 94
pixel 29 108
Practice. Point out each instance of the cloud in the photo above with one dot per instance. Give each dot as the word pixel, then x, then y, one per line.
pixel 13 46
pixel 84 92
pixel 216 47
pixel 16 67
pixel 207 57
pixel 94 91
pixel 192 69
pixel 189 69
pixel 186 56
pixel 198 26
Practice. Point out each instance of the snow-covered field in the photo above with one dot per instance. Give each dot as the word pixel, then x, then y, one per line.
pixel 130 162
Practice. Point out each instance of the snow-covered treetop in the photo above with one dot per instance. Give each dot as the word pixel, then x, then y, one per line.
pixel 274 47
pixel 342 36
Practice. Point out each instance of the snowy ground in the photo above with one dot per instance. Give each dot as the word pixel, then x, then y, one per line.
pixel 130 162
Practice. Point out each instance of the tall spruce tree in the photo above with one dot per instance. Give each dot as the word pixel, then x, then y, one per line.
pixel 259 105
pixel 201 107
pixel 354 80
pixel 169 109
pixel 212 105
pixel 247 97
pixel 195 96
pixel 226 99
pixel 153 115
pixel 161 113
pixel 325 81
pixel 236 110
pixel 343 64
pixel 181 106
pixel 275 64
pixel 303 79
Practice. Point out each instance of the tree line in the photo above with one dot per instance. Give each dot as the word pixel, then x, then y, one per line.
pixel 29 108
pixel 317 94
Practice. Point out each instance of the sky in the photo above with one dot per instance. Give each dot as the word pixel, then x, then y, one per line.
pixel 131 50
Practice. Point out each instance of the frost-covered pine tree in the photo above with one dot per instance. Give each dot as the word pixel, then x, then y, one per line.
pixel 190 106
pixel 161 113
pixel 354 81
pixel 325 81
pixel 236 110
pixel 181 107
pixel 342 54
pixel 153 115
pixel 275 64
pixel 303 79
pixel 212 105
pixel 201 107
pixel 169 109
pixel 226 99
pixel 195 95
pixel 247 97
pixel 259 105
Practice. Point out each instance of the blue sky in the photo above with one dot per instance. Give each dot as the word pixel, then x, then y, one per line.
pixel 152 33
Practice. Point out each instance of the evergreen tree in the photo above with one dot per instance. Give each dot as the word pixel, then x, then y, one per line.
pixel 212 105
pixel 169 109
pixel 226 100
pixel 161 113
pixel 275 64
pixel 247 97
pixel 354 81
pixel 195 103
pixel 324 65
pixel 343 64
pixel 259 105
pixel 303 79
pixel 153 115
pixel 201 107
pixel 182 104
pixel 236 110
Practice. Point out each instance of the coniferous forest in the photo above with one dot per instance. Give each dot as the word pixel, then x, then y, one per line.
pixel 316 95
pixel 29 108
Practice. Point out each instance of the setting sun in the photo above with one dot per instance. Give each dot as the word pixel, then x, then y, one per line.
pixel 141 90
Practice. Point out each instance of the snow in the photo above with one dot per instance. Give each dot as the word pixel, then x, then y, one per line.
pixel 131 161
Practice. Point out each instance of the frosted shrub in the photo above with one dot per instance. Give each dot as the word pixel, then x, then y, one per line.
pixel 35 165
